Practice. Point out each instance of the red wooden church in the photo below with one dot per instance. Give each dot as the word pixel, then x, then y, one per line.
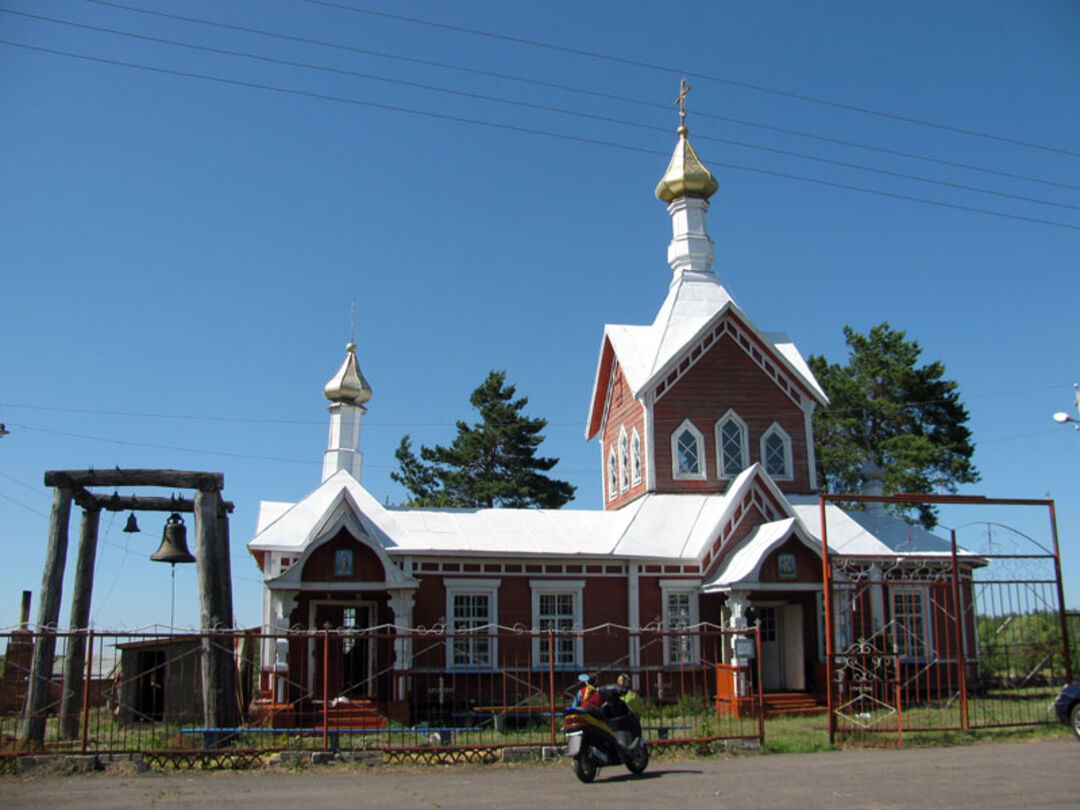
pixel 710 513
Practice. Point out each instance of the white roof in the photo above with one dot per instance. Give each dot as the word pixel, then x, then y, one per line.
pixel 743 565
pixel 867 534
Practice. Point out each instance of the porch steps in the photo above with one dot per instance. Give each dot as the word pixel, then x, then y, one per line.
pixel 781 703
pixel 354 714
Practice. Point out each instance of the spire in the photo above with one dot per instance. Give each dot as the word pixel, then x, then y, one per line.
pixel 686 175
pixel 347 391
pixel 686 187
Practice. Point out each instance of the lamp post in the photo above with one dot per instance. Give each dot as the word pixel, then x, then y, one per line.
pixel 1063 418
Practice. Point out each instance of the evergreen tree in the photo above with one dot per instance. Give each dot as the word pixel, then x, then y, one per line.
pixel 887 409
pixel 490 463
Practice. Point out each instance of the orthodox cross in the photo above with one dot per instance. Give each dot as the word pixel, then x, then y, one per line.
pixel 684 88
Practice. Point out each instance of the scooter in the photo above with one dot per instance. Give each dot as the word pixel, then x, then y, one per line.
pixel 604 734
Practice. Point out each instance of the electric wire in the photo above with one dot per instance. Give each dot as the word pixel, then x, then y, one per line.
pixel 696 75
pixel 541 107
pixel 532 131
pixel 581 91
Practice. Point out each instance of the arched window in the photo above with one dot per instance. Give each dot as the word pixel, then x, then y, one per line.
pixel 635 459
pixel 612 475
pixel 732 445
pixel 624 461
pixel 687 452
pixel 776 453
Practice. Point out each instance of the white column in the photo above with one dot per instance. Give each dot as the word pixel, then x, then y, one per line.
pixel 343 446
pixel 738 602
pixel 401 603
pixel 634 617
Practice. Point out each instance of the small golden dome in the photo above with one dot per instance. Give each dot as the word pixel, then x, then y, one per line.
pixel 686 175
pixel 348 385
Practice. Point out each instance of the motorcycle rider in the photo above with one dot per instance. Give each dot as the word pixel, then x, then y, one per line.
pixel 629 696
pixel 588 696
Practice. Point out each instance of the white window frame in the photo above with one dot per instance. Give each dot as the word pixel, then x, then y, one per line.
pixel 635 458
pixel 624 460
pixel 612 475
pixel 700 475
pixel 905 640
pixel 575 588
pixel 473 587
pixel 680 587
pixel 776 430
pixel 744 445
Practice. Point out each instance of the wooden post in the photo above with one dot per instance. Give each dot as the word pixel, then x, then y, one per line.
pixel 71 697
pixel 52 580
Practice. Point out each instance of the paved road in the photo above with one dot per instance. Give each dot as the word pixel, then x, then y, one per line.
pixel 1010 775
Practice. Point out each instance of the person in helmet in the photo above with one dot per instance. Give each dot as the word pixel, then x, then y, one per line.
pixel 587 696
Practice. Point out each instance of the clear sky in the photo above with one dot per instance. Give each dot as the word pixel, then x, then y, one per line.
pixel 183 231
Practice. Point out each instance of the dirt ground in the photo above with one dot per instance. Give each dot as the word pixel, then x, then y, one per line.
pixel 1044 774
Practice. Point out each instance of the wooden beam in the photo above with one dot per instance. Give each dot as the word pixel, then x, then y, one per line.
pixel 138 503
pixel 181 479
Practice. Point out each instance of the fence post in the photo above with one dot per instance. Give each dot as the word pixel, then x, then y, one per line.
pixel 86 689
pixel 551 681
pixel 961 635
pixel 830 644
pixel 1061 596
pixel 326 688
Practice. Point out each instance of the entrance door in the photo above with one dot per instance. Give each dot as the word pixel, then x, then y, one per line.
pixel 782 666
pixel 349 657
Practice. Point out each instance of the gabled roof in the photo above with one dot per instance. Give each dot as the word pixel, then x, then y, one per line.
pixel 742 566
pixel 647 353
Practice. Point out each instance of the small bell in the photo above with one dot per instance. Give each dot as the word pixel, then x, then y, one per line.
pixel 132 524
pixel 173 548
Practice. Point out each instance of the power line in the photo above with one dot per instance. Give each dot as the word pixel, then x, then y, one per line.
pixel 693 74
pixel 529 130
pixel 581 91
pixel 541 107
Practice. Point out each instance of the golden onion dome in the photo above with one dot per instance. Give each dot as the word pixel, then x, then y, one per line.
pixel 686 175
pixel 348 385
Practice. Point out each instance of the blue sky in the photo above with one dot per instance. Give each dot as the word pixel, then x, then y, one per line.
pixel 178 255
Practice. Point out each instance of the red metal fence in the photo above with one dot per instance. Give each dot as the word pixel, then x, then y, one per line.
pixel 971 639
pixel 142 692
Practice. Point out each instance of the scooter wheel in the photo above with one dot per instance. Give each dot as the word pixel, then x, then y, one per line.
pixel 638 763
pixel 585 768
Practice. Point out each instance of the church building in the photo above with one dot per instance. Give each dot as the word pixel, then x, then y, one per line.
pixel 703 424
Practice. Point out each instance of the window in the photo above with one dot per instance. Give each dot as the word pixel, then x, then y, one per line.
pixel 732 441
pixel 910 630
pixel 687 452
pixel 624 461
pixel 776 453
pixel 471 615
pixel 557 606
pixel 635 459
pixel 612 475
pixel 680 612
pixel 343 562
pixel 786 567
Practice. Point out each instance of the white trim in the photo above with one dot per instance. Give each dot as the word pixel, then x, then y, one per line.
pixel 701 474
pixel 482 587
pixel 574 587
pixel 650 442
pixel 611 473
pixel 811 457
pixel 671 587
pixel 635 456
pixel 926 653
pixel 776 430
pixel 624 459
pixel 744 444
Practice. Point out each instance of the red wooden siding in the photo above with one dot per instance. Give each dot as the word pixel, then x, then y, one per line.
pixel 623 412
pixel 724 377
pixel 366 564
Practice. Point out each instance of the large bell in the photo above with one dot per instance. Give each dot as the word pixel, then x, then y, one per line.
pixel 173 548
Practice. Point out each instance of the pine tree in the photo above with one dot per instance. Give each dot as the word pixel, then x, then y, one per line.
pixel 490 463
pixel 887 409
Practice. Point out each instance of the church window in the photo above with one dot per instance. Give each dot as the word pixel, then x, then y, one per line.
pixel 624 461
pixel 556 605
pixel 687 452
pixel 911 633
pixel 776 453
pixel 612 475
pixel 732 443
pixel 635 459
pixel 471 618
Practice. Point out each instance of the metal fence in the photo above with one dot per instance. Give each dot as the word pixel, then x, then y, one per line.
pixel 974 639
pixel 463 697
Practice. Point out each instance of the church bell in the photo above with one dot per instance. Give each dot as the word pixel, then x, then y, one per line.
pixel 173 548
